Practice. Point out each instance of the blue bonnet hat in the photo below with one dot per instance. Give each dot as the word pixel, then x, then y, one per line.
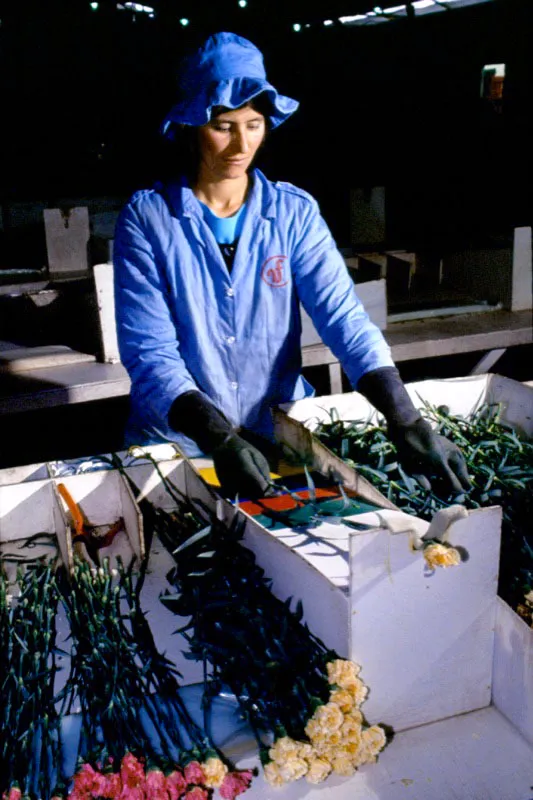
pixel 227 71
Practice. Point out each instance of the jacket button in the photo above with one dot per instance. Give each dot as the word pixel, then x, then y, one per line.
pixel 230 339
pixel 230 292
pixel 234 385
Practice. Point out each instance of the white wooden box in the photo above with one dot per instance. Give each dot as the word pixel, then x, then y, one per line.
pixel 30 508
pixel 104 498
pixel 405 626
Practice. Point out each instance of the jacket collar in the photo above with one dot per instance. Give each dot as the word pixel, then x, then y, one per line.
pixel 182 202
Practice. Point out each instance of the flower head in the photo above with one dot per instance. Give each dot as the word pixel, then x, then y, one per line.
pixel 342 672
pixel 343 765
pixel 342 698
pixel 113 786
pixel 176 784
pixel 13 794
pixel 235 783
pixel 131 771
pixel 284 748
pixel 438 555
pixel 196 793
pixel 374 739
pixel 319 769
pixel 155 785
pixel 329 717
pixel 272 774
pixel 194 773
pixel 215 771
pixel 293 769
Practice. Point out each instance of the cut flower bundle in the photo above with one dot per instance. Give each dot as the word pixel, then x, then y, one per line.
pixel 300 699
pixel 138 740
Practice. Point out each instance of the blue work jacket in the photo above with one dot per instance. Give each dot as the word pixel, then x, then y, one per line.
pixel 184 322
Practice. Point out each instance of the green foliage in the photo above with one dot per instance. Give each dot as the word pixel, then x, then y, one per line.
pixel 500 464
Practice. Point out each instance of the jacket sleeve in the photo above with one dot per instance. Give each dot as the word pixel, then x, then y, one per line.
pixel 328 294
pixel 147 336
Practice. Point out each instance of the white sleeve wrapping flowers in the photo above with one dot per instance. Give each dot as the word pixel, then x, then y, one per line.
pixel 338 742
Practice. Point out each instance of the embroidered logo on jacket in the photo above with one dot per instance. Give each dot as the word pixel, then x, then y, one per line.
pixel 273 271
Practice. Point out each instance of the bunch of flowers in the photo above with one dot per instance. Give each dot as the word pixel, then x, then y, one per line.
pixel 29 742
pixel 338 739
pixel 302 708
pixel 134 780
pixel 137 739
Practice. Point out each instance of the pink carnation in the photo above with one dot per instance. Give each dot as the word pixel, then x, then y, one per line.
pixel 198 793
pixel 235 783
pixel 88 782
pixel 132 793
pixel 176 784
pixel 155 785
pixel 113 786
pixel 131 771
pixel 13 794
pixel 194 773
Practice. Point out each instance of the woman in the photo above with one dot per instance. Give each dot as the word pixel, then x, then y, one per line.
pixel 210 270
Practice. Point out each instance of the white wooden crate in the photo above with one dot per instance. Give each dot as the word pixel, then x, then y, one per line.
pixel 104 498
pixel 404 625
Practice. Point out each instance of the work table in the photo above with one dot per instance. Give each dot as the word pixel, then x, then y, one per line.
pixel 30 385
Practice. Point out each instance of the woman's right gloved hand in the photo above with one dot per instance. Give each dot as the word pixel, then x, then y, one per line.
pixel 240 467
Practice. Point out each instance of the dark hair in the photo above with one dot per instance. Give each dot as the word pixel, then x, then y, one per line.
pixel 182 154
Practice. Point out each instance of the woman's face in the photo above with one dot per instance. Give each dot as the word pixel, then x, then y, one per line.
pixel 229 142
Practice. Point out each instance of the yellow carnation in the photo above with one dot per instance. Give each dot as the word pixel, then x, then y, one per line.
pixel 313 729
pixel 342 698
pixel 273 775
pixel 438 555
pixel 342 672
pixel 215 772
pixel 324 743
pixel 318 771
pixel 342 765
pixel 358 690
pixel 329 717
pixel 374 739
pixel 293 769
pixel 351 730
pixel 305 750
pixel 283 748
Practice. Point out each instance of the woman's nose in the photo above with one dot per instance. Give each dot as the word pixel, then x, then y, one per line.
pixel 241 141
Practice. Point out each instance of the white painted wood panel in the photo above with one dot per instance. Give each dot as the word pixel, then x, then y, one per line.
pixel 512 688
pixel 412 629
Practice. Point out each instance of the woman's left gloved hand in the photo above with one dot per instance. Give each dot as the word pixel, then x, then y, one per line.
pixel 426 455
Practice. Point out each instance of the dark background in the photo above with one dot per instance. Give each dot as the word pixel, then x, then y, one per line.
pixel 396 104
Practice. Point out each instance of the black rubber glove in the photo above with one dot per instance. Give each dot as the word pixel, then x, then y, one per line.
pixel 426 455
pixel 241 468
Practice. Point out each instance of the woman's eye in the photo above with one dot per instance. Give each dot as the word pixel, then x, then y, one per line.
pixel 222 128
